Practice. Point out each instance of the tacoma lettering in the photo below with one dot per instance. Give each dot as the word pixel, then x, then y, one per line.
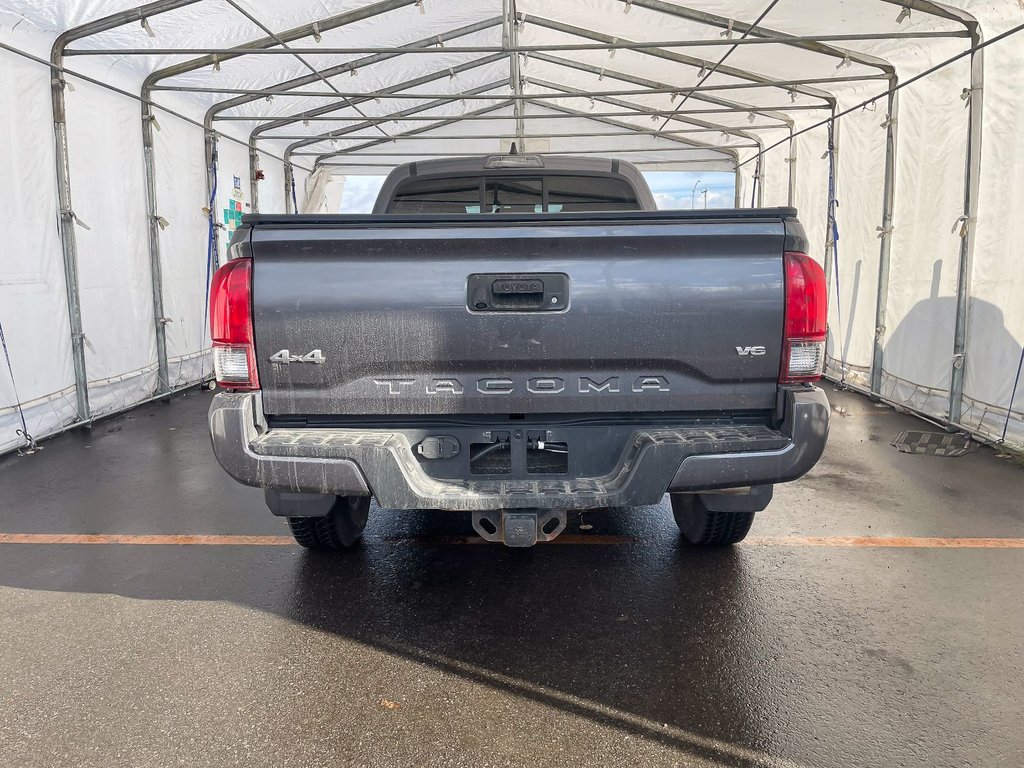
pixel 587 384
pixel 650 384
pixel 536 385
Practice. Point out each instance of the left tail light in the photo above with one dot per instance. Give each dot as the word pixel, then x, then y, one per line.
pixel 234 355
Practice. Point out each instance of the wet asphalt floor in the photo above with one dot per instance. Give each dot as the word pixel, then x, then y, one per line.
pixel 420 647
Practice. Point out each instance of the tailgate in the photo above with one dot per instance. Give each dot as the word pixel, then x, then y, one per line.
pixel 666 314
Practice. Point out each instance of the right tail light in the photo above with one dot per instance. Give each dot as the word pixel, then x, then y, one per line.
pixel 803 348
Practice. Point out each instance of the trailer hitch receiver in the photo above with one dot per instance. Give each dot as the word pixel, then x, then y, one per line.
pixel 519 528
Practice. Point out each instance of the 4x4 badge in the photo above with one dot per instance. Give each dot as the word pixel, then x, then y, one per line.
pixel 284 356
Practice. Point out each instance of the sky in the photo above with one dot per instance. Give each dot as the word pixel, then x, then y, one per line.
pixel 671 189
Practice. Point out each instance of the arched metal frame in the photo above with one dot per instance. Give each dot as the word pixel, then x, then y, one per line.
pixel 510 22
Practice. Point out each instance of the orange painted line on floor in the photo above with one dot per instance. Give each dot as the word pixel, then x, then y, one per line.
pixel 127 538
pixel 892 542
pixel 866 542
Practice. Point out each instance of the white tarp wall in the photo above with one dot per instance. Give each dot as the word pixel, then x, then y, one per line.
pixel 342 117
pixel 33 305
pixel 995 332
pixel 108 187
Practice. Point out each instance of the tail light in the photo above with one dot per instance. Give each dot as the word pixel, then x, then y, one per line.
pixel 803 348
pixel 234 356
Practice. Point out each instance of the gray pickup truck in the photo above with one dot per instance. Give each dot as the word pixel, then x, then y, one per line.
pixel 515 337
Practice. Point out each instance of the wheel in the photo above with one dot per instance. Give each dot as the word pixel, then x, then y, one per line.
pixel 340 528
pixel 706 528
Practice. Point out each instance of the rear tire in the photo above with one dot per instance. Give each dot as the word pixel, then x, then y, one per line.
pixel 703 527
pixel 339 529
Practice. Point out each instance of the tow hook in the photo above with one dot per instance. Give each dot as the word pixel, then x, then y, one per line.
pixel 520 527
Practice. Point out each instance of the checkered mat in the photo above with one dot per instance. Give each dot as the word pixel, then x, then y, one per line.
pixel 934 443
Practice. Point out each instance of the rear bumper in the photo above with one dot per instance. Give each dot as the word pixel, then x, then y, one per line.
pixel 359 462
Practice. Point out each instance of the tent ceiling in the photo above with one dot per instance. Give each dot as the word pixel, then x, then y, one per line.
pixel 284 75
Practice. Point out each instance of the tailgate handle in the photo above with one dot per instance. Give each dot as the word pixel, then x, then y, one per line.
pixel 540 292
pixel 523 294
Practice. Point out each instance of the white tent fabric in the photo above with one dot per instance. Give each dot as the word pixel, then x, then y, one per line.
pixel 253 96
pixel 323 192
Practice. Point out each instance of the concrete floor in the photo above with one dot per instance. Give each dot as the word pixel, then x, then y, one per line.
pixel 419 648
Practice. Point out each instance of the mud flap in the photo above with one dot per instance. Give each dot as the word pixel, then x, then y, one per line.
pixel 754 500
pixel 519 528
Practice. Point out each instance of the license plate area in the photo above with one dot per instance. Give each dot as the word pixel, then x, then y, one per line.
pixel 530 452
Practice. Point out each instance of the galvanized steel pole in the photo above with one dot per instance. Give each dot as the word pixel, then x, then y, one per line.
pixel 254 167
pixel 833 157
pixel 630 45
pixel 211 181
pixel 155 265
pixel 289 179
pixel 968 226
pixel 510 42
pixel 885 235
pixel 791 162
pixel 69 246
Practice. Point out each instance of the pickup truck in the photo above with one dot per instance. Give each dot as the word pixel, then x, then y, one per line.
pixel 515 337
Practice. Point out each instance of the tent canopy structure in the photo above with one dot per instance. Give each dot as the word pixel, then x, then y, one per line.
pixel 136 135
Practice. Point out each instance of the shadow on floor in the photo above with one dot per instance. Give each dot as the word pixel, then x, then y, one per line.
pixel 647 638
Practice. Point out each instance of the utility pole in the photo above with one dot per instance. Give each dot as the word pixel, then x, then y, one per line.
pixel 705 193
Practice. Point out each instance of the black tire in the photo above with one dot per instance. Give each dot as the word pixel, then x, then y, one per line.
pixel 339 529
pixel 705 528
